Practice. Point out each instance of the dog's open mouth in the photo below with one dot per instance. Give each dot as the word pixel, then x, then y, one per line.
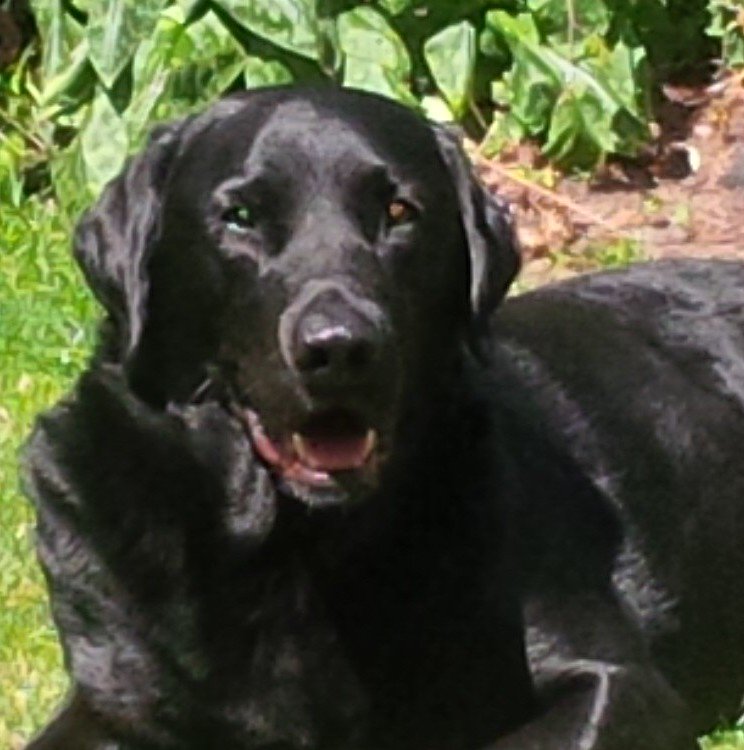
pixel 326 443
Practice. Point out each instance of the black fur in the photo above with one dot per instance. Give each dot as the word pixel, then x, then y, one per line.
pixel 546 552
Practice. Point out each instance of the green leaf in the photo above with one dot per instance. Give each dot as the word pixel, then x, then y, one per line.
pixel 533 84
pixel 375 58
pixel 60 35
pixel 618 70
pixel 570 19
pixel 69 179
pixel 572 73
pixel 153 65
pixel 115 29
pixel 726 26
pixel 70 78
pixel 492 45
pixel 450 55
pixel 504 130
pixel 579 131
pixel 520 27
pixel 290 24
pixel 215 59
pixel 585 107
pixel 395 7
pixel 103 142
pixel 733 48
pixel 187 7
pixel 436 109
pixel 258 72
pixel 672 31
pixel 180 68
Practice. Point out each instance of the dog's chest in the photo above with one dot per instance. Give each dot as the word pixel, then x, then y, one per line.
pixel 277 673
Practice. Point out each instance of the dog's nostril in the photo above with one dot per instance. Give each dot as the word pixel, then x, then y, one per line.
pixel 359 354
pixel 337 349
pixel 314 358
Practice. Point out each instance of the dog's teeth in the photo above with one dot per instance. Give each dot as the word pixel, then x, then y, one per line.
pixel 370 443
pixel 298 443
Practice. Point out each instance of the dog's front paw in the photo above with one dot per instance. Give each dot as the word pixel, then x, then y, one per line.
pixel 222 446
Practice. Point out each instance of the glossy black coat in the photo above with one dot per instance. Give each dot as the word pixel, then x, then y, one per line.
pixel 550 556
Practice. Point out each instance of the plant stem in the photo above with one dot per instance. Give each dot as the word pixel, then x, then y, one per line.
pixel 571 24
pixel 27 134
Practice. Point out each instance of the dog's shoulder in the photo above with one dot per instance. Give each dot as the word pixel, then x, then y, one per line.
pixel 635 382
pixel 649 355
pixel 687 314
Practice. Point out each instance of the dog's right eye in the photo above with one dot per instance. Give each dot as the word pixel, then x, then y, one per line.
pixel 401 211
pixel 239 219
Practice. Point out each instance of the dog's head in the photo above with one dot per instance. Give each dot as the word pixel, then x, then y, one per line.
pixel 321 255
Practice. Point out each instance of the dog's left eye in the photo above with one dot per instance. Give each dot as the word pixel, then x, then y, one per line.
pixel 400 211
pixel 239 219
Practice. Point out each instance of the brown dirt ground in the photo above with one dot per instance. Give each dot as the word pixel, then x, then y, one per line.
pixel 683 197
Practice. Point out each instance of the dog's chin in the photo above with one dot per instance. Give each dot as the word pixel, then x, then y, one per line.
pixel 331 458
pixel 338 493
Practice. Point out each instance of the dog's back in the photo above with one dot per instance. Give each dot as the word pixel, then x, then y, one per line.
pixel 639 376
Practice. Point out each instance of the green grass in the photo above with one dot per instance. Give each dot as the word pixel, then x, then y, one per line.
pixel 724 739
pixel 46 326
pixel 45 330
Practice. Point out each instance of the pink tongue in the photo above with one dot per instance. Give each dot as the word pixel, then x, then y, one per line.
pixel 332 453
pixel 311 459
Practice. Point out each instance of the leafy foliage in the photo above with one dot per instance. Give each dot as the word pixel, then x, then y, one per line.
pixel 572 73
pixel 579 95
pixel 727 25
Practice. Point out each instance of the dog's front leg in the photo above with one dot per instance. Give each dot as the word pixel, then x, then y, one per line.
pixel 595 705
pixel 597 689
pixel 133 504
pixel 74 727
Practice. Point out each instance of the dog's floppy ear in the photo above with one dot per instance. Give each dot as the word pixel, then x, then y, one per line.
pixel 112 239
pixel 492 242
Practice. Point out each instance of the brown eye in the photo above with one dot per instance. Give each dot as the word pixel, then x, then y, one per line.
pixel 400 212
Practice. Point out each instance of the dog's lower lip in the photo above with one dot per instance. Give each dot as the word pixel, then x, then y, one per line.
pixel 313 455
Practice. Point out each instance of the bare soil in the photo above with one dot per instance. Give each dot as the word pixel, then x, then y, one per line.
pixel 683 197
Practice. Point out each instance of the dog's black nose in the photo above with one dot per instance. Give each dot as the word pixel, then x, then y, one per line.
pixel 339 350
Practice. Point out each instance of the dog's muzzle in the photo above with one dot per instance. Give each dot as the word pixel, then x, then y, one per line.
pixel 336 344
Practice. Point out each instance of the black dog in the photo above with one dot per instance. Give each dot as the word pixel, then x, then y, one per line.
pixel 312 493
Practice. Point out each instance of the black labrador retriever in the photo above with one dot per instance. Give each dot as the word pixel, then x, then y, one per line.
pixel 312 493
